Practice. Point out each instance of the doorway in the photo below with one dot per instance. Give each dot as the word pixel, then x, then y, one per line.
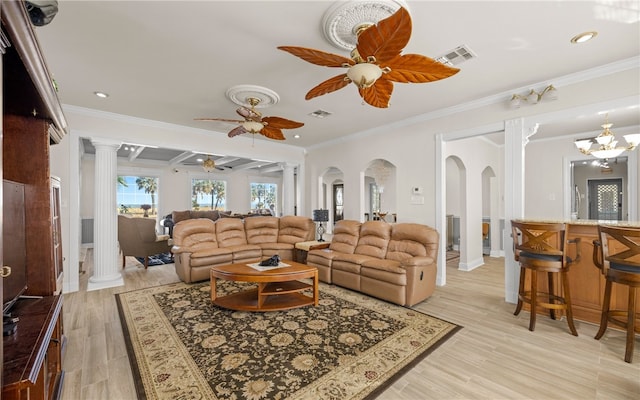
pixel 605 199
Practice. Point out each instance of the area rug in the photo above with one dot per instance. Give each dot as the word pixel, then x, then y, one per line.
pixel 158 259
pixel 350 346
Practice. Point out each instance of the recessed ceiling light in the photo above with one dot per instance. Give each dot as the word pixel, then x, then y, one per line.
pixel 584 37
pixel 296 136
pixel 102 95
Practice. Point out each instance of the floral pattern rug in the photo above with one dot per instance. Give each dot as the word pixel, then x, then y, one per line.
pixel 351 346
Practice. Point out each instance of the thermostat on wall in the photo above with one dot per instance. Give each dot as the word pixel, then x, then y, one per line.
pixel 416 190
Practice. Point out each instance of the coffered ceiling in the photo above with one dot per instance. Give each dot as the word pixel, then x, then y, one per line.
pixel 173 61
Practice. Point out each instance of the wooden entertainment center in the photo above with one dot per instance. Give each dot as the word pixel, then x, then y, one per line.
pixel 32 121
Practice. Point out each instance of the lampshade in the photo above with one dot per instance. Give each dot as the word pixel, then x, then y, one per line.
pixel 321 215
pixel 252 126
pixel 364 74
pixel 633 139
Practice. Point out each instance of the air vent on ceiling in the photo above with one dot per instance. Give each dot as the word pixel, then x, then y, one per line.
pixel 457 56
pixel 320 114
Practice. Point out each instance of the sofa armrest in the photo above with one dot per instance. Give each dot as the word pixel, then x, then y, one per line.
pixel 417 261
pixel 181 249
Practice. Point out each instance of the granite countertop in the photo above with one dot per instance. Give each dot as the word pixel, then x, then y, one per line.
pixel 589 222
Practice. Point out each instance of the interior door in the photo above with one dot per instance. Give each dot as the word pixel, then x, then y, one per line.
pixel 605 199
pixel 338 202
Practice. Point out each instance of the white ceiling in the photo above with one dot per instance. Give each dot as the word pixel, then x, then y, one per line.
pixel 173 61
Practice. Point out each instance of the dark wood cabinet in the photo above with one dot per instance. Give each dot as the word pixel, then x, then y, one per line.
pixel 33 365
pixel 32 121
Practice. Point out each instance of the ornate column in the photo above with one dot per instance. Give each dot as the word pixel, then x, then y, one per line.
pixel 288 189
pixel 516 133
pixel 106 268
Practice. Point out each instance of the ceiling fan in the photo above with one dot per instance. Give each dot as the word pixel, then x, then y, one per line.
pixel 254 122
pixel 376 61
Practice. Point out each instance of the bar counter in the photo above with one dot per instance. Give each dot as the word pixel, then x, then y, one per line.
pixel 586 281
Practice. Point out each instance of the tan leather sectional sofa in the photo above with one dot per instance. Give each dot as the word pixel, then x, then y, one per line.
pixel 199 244
pixel 394 262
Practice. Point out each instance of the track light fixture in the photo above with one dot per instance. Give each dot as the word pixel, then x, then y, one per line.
pixel 533 97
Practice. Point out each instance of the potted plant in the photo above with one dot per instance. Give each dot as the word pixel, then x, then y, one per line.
pixel 146 208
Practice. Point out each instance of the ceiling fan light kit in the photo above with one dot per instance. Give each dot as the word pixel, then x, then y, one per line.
pixel 607 143
pixel 376 62
pixel 209 165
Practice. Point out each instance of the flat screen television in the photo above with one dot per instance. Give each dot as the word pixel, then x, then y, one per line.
pixel 13 243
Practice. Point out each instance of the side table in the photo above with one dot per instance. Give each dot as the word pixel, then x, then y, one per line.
pixel 302 248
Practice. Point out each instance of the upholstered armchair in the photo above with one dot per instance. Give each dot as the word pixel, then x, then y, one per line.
pixel 138 238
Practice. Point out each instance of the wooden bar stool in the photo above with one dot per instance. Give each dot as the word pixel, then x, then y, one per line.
pixel 541 247
pixel 617 254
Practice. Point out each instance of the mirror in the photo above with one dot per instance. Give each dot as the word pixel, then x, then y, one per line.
pixel 600 189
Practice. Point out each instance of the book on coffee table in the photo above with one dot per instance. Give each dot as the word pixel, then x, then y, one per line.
pixel 259 267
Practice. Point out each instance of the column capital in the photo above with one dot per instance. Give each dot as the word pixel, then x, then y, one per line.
pixel 104 142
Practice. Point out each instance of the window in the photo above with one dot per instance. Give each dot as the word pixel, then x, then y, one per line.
pixel 208 194
pixel 136 195
pixel 263 196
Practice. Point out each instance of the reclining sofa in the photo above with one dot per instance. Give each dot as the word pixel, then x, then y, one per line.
pixel 200 243
pixel 393 262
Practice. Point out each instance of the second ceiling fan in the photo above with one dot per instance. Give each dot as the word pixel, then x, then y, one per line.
pixel 254 122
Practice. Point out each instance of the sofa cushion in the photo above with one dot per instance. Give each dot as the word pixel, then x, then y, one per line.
pixel 243 252
pixel 230 232
pixel 374 239
pixel 385 265
pixel 223 257
pixel 212 214
pixel 178 216
pixel 261 229
pixel 189 233
pixel 349 262
pixel 412 240
pixel 345 236
pixel 295 228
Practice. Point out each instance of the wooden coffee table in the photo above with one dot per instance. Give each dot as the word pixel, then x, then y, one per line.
pixel 278 288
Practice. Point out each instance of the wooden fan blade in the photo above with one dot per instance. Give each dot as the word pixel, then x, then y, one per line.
pixel 235 121
pixel 328 86
pixel 237 131
pixel 272 133
pixel 281 123
pixel 387 38
pixel 415 68
pixel 317 57
pixel 379 94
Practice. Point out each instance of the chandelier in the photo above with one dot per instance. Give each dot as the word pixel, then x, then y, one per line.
pixel 380 172
pixel 607 143
pixel 209 165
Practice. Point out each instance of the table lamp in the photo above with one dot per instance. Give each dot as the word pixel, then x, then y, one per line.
pixel 320 216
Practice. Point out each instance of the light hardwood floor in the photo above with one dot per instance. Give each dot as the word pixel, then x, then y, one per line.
pixel 494 356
